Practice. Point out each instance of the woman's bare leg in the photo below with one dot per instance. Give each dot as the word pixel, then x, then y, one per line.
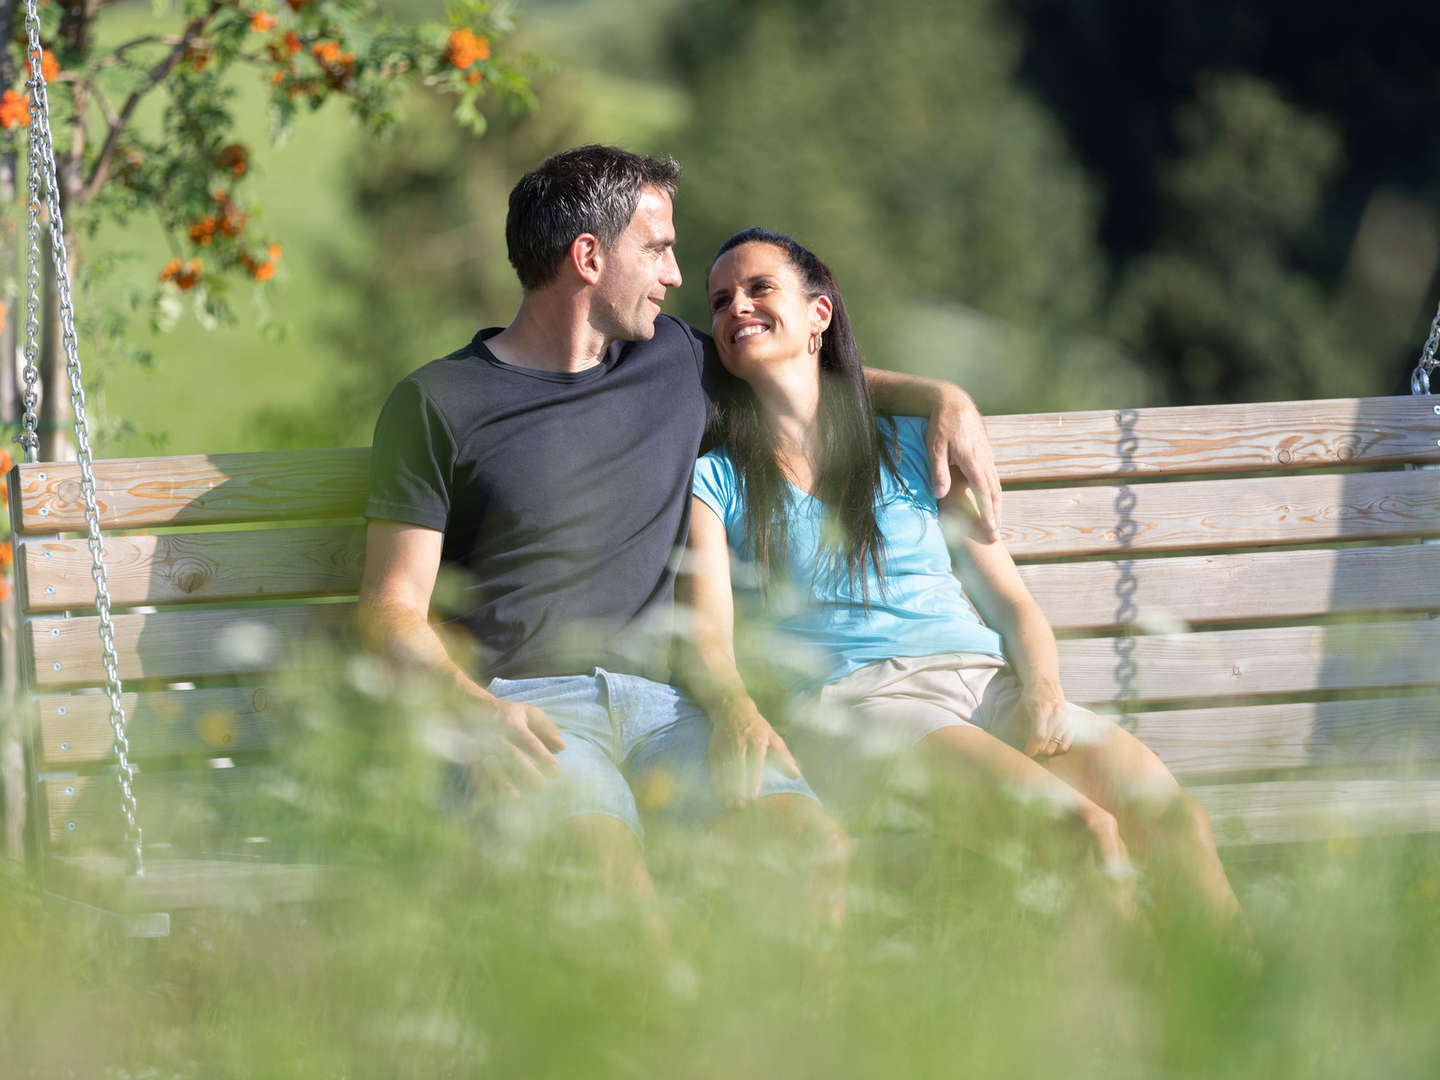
pixel 982 790
pixel 1167 831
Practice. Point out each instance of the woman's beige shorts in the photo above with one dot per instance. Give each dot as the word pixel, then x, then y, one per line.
pixel 849 737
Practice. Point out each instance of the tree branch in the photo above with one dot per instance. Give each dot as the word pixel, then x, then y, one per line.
pixel 101 170
pixel 106 109
pixel 114 55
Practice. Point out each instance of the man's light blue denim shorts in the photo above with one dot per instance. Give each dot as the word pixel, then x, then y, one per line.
pixel 632 746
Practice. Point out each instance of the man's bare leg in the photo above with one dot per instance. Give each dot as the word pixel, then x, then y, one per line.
pixel 600 861
pixel 787 846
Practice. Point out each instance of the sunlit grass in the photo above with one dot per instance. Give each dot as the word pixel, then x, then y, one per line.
pixel 429 960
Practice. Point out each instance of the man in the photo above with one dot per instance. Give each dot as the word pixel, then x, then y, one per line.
pixel 551 461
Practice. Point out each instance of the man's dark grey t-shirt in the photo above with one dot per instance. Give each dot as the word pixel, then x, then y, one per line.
pixel 563 497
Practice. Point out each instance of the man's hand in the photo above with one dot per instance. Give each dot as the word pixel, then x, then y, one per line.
pixel 739 742
pixel 513 753
pixel 1042 724
pixel 957 437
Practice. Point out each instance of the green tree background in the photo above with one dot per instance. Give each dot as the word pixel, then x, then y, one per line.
pixel 1058 205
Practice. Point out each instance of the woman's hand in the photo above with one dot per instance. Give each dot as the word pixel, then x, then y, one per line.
pixel 1042 723
pixel 957 438
pixel 739 741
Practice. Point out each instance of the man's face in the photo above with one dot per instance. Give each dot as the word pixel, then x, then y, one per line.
pixel 637 271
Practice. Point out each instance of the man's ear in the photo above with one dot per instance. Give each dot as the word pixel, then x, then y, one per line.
pixel 820 321
pixel 587 257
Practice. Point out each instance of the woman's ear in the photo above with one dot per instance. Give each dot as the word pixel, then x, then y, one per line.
pixel 820 318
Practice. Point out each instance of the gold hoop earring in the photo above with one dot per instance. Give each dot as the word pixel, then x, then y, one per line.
pixel 818 340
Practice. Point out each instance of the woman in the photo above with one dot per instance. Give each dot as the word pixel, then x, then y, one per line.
pixel 835 517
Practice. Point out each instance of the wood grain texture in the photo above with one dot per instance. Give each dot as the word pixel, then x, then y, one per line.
pixel 1215 515
pixel 178 646
pixel 143 493
pixel 75 728
pixel 1268 662
pixel 208 567
pixel 1199 439
pixel 1380 735
pixel 1039 447
pixel 1289 811
pixel 1272 586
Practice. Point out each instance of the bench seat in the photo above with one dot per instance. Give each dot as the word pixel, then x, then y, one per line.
pixel 1252 589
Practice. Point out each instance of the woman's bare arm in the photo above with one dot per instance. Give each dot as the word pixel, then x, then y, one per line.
pixel 993 583
pixel 742 737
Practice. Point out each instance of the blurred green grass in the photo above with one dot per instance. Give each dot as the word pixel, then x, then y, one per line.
pixel 431 962
pixel 426 973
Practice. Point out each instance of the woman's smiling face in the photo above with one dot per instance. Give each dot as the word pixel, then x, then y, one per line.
pixel 761 314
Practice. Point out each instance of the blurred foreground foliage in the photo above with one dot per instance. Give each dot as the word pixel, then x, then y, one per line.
pixel 430 960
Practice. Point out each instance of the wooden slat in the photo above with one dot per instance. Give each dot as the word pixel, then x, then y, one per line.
pixel 1221 514
pixel 142 493
pixel 1379 735
pixel 209 567
pixel 1270 586
pixel 1290 811
pixel 178 645
pixel 75 728
pixel 173 884
pixel 1199 439
pixel 1267 662
pixel 193 810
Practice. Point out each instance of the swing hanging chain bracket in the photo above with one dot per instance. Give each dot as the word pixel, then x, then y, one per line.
pixel 1420 380
pixel 42 176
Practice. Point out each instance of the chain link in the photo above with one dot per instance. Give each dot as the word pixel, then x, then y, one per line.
pixel 42 173
pixel 29 421
pixel 1420 380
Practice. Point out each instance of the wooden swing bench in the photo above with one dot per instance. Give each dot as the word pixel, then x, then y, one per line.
pixel 1254 585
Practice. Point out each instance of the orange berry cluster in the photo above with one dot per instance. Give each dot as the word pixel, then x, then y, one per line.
pixel 15 106
pixel 198 55
pixel 337 64
pixel 227 220
pixel 185 276
pixel 234 157
pixel 465 48
pixel 262 269
pixel 14 109
pixel 284 48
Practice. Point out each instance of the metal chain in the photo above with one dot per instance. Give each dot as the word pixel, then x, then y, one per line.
pixel 42 170
pixel 1420 380
pixel 28 438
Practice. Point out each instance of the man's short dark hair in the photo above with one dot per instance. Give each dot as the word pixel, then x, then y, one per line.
pixel 590 189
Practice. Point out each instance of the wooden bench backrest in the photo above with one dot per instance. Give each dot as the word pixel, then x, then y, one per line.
pixel 1251 583
pixel 256 551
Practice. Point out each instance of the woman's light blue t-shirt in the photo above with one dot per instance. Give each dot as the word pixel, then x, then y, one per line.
pixel 919 609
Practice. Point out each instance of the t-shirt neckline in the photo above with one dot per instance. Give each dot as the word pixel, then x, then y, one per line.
pixel 483 351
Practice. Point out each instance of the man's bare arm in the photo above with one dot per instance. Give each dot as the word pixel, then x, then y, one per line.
pixel 956 434
pixel 401 564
